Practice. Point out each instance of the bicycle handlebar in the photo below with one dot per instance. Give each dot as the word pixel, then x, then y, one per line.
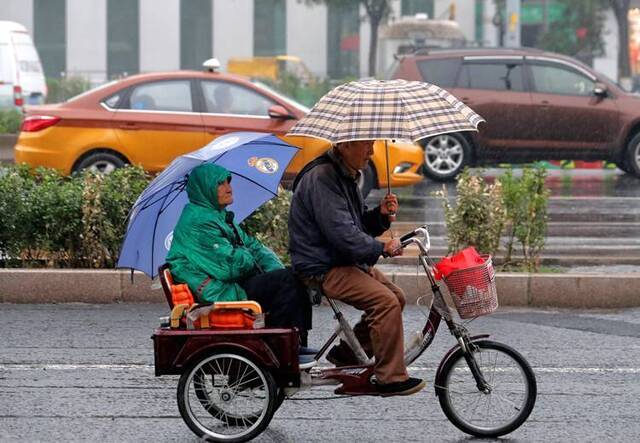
pixel 408 235
pixel 408 238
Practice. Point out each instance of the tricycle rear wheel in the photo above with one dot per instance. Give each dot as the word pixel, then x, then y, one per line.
pixel 226 398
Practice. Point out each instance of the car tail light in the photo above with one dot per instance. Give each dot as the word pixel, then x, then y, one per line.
pixel 34 123
pixel 18 100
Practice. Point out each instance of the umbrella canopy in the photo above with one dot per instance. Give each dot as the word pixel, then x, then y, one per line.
pixel 256 162
pixel 386 109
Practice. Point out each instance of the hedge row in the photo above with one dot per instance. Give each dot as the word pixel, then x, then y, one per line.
pixel 50 220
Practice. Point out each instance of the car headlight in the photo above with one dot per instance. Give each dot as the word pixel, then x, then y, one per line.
pixel 402 167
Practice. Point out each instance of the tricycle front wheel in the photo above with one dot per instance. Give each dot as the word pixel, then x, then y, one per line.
pixel 506 401
pixel 226 398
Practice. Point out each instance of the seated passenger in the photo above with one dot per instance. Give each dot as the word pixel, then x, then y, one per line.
pixel 223 100
pixel 220 262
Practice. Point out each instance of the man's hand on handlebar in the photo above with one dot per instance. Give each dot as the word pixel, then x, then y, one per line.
pixel 393 248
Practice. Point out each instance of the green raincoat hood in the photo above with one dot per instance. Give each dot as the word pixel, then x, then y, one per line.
pixel 209 251
pixel 202 186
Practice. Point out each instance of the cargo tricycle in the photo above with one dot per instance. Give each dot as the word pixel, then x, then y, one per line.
pixel 232 381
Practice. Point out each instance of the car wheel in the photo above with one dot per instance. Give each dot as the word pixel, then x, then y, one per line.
pixel 101 162
pixel 633 156
pixel 445 156
pixel 622 165
pixel 367 180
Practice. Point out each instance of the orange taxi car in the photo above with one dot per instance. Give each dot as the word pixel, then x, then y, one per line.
pixel 150 119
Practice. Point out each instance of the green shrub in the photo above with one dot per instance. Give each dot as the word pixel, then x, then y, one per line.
pixel 107 200
pixel 62 89
pixel 269 224
pixel 80 221
pixel 478 217
pixel 10 121
pixel 15 183
pixel 53 220
pixel 40 220
pixel 484 212
pixel 525 200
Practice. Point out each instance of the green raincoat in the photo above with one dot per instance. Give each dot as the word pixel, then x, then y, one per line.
pixel 204 251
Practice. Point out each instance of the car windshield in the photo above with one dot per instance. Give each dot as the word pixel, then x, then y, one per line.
pixel 606 77
pixel 282 97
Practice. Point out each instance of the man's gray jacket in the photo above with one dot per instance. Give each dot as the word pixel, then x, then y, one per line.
pixel 329 225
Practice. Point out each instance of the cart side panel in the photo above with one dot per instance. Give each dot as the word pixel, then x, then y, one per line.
pixel 274 349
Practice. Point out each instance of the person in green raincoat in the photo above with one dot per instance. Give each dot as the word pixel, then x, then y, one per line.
pixel 220 262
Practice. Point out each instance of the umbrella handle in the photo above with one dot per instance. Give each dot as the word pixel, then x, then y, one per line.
pixel 392 216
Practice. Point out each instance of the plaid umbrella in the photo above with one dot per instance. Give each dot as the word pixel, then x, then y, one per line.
pixel 386 109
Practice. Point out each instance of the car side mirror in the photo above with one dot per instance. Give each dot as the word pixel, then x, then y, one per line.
pixel 600 90
pixel 279 112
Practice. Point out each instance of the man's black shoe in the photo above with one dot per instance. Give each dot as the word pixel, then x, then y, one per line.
pixel 342 355
pixel 407 387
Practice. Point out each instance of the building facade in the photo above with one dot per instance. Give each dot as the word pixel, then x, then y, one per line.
pixel 105 39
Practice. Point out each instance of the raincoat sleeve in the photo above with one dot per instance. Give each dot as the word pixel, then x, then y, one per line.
pixel 337 225
pixel 220 260
pixel 266 259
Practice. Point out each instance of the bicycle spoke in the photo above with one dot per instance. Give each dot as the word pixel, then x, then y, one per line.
pixel 227 396
pixel 482 413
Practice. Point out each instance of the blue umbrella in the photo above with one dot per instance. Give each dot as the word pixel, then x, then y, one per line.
pixel 256 162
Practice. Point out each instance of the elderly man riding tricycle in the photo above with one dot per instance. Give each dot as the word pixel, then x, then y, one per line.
pixel 235 372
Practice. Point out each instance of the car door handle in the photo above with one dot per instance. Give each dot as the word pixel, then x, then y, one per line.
pixel 466 100
pixel 545 103
pixel 129 125
pixel 213 130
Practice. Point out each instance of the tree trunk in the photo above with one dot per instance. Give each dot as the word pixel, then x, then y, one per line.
pixel 621 11
pixel 373 46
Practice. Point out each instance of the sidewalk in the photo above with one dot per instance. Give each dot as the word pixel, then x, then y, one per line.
pixel 574 290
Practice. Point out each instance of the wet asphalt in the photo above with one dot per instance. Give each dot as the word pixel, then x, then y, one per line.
pixel 81 373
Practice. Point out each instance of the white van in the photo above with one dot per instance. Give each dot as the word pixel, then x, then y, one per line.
pixel 22 81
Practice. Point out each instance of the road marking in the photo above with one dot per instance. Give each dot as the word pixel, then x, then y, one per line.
pixel 560 370
pixel 146 367
pixel 69 367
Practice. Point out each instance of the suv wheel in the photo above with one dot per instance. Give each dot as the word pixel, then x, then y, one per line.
pixel 101 162
pixel 445 156
pixel 633 156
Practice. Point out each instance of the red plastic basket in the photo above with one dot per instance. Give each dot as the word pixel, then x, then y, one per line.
pixel 474 289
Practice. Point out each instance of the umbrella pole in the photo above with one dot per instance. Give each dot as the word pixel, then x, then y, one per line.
pixel 392 217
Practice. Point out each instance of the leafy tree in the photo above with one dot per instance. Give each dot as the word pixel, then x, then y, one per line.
pixel 621 11
pixel 579 31
pixel 377 12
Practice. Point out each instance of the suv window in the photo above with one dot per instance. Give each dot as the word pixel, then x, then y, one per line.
pixel 496 76
pixel 440 72
pixel 559 80
pixel 174 95
pixel 228 98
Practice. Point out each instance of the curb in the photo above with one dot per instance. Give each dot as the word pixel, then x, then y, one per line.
pixel 588 290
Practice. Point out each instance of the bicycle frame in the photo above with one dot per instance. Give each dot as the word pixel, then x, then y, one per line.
pixel 206 392
pixel 356 378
